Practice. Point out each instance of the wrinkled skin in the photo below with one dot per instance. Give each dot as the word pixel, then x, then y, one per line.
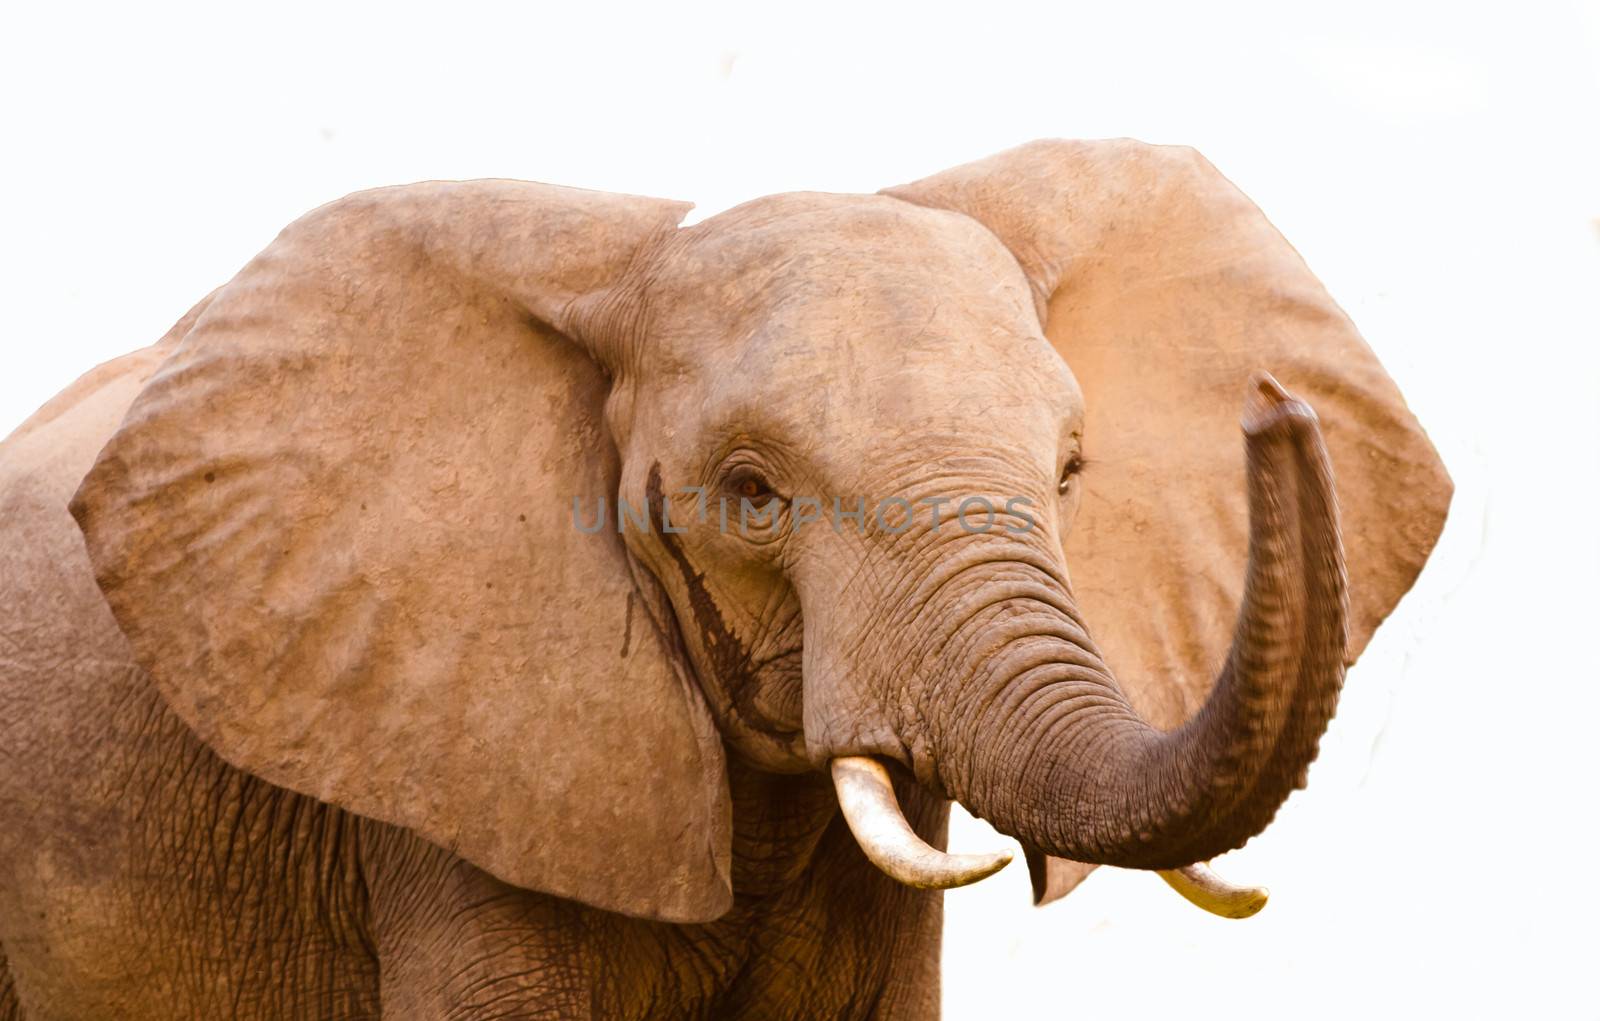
pixel 147 878
pixel 211 806
pixel 227 897
pixel 790 626
pixel 744 406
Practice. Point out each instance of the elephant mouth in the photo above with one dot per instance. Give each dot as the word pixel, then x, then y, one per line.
pixel 777 701
pixel 768 725
pixel 867 799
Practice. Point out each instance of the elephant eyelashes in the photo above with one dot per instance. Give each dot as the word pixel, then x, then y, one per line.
pixel 1075 464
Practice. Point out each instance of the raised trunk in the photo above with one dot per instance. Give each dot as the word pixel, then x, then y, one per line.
pixel 1086 778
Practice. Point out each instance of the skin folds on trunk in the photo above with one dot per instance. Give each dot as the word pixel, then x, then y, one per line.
pixel 1094 782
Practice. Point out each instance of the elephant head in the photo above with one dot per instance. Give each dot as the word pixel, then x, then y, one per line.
pixel 504 512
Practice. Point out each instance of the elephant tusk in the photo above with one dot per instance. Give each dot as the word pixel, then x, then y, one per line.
pixel 867 799
pixel 1205 889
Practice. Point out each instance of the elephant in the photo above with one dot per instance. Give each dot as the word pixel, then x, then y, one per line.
pixel 503 600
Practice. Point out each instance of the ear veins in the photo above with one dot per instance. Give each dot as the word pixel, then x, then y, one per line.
pixel 729 658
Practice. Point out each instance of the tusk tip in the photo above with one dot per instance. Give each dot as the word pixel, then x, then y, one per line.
pixel 971 868
pixel 1203 888
pixel 955 871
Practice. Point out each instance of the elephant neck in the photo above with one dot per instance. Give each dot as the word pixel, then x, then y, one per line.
pixel 778 822
pixel 788 826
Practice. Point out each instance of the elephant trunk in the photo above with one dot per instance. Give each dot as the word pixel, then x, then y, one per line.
pixel 1082 776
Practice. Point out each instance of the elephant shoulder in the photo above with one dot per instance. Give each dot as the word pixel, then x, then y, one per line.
pixel 50 606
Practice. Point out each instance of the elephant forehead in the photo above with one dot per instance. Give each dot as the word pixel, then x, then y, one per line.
pixel 836 257
pixel 842 287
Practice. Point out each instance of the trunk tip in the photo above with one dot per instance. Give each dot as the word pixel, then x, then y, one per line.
pixel 1267 404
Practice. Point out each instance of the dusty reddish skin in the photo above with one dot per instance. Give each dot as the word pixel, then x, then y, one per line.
pixel 313 703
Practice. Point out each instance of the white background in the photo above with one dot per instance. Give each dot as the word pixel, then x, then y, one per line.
pixel 1438 167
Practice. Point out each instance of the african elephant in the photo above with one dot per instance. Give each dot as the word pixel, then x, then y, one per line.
pixel 330 688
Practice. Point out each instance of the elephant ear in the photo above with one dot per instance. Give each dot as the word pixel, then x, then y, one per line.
pixel 1163 288
pixel 337 527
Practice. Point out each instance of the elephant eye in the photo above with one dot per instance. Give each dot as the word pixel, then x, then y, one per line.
pixel 1075 464
pixel 747 483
